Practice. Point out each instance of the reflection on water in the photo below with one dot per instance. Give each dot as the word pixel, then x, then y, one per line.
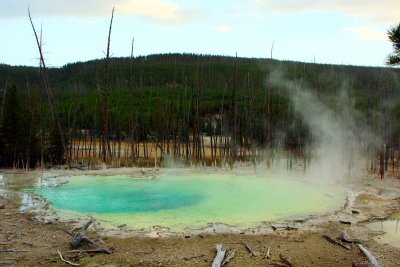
pixel 391 232
pixel 11 185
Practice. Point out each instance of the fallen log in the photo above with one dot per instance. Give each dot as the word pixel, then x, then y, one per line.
pixel 230 253
pixel 220 256
pixel 370 257
pixel 249 249
pixel 335 242
pixel 345 238
pixel 285 260
pixel 66 261
pixel 13 250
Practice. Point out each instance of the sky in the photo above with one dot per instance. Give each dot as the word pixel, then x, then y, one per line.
pixel 351 32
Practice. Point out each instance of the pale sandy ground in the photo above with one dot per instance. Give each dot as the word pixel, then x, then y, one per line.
pixel 372 199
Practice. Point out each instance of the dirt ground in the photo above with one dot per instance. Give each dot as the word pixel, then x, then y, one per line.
pixel 27 241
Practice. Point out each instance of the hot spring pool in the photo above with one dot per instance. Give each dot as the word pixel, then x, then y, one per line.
pixel 183 200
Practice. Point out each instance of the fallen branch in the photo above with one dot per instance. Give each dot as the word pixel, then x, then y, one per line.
pixel 285 227
pixel 6 243
pixel 96 250
pixel 194 257
pixel 267 254
pixel 12 250
pixel 285 260
pixel 80 237
pixel 66 261
pixel 345 238
pixel 220 256
pixel 230 253
pixel 249 249
pixel 335 242
pixel 66 231
pixel 370 257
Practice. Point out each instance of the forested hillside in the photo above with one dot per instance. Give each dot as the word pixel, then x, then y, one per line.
pixel 185 104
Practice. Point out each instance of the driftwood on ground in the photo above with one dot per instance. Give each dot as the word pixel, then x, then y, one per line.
pixel 285 260
pixel 370 257
pixel 249 249
pixel 345 238
pixel 219 258
pixel 268 253
pixel 284 227
pixel 12 250
pixel 80 238
pixel 229 254
pixel 66 261
pixel 335 242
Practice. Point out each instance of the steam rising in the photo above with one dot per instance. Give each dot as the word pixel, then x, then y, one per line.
pixel 338 136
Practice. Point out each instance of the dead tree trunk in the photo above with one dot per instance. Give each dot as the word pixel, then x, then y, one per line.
pixel 46 82
pixel 105 95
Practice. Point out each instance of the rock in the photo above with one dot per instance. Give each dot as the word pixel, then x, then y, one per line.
pixel 2 206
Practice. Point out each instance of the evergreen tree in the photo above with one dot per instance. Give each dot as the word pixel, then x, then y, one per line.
pixel 394 37
pixel 13 129
pixel 55 152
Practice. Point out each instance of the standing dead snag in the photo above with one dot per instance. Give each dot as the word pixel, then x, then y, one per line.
pixel 105 93
pixel 46 82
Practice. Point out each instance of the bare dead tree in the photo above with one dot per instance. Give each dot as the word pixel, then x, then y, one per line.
pixel 46 82
pixel 105 92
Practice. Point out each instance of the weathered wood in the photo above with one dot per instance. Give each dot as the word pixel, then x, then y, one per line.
pixel 96 250
pixel 284 227
pixel 268 253
pixel 370 257
pixel 249 249
pixel 220 256
pixel 335 242
pixel 230 253
pixel 285 260
pixel 80 238
pixel 345 238
pixel 12 250
pixel 6 243
pixel 66 261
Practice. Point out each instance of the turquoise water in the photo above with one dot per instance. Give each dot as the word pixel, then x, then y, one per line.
pixel 183 200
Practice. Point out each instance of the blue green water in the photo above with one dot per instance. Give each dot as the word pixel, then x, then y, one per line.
pixel 185 200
